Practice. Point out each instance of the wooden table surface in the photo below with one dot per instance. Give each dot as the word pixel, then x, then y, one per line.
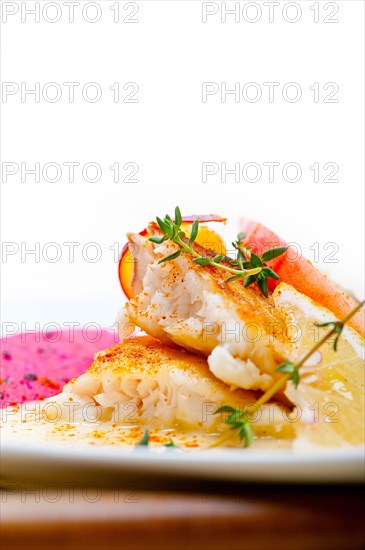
pixel 168 514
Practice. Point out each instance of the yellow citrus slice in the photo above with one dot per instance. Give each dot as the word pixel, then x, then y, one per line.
pixel 207 238
pixel 330 396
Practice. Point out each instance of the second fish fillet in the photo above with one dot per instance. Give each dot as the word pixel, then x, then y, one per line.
pixel 242 334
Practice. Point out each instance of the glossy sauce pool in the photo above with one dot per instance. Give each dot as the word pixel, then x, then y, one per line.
pixel 25 424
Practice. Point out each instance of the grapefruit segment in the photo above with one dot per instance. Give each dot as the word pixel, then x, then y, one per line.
pixel 301 274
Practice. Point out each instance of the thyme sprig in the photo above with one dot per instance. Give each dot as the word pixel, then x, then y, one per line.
pixel 246 259
pixel 240 420
pixel 247 266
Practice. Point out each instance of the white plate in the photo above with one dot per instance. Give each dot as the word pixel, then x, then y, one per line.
pixel 55 460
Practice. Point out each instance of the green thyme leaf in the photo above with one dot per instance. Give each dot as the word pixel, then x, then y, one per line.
pixel 171 257
pixel 218 258
pixel 170 443
pixel 246 433
pixel 263 286
pixel 268 272
pixel 255 260
pixel 249 280
pixel 288 367
pixel 194 231
pixel 337 327
pixel 178 217
pixel 295 378
pixel 234 278
pixel 225 409
pixel 335 343
pixel 203 261
pixel 324 325
pixel 164 226
pixel 234 417
pixel 273 253
pixel 158 240
pixel 145 439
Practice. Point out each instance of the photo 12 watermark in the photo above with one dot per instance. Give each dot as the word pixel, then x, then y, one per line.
pixel 270 12
pixel 69 92
pixel 70 12
pixel 72 492
pixel 269 172
pixel 70 171
pixel 269 92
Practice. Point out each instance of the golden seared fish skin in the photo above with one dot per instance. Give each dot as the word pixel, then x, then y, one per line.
pixel 240 331
pixel 144 381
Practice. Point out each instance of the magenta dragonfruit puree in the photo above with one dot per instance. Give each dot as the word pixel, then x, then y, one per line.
pixel 36 366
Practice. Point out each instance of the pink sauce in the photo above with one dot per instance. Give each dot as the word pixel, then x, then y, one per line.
pixel 37 366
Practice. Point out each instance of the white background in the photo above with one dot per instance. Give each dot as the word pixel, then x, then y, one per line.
pixel 169 133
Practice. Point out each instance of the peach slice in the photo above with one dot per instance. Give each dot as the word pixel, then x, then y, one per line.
pixel 301 273
pixel 204 218
pixel 125 271
pixel 206 237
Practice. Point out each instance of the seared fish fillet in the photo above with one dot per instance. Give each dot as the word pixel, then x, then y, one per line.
pixel 142 380
pixel 240 331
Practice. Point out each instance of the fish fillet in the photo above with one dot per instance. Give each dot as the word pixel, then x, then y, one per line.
pixel 142 380
pixel 242 334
